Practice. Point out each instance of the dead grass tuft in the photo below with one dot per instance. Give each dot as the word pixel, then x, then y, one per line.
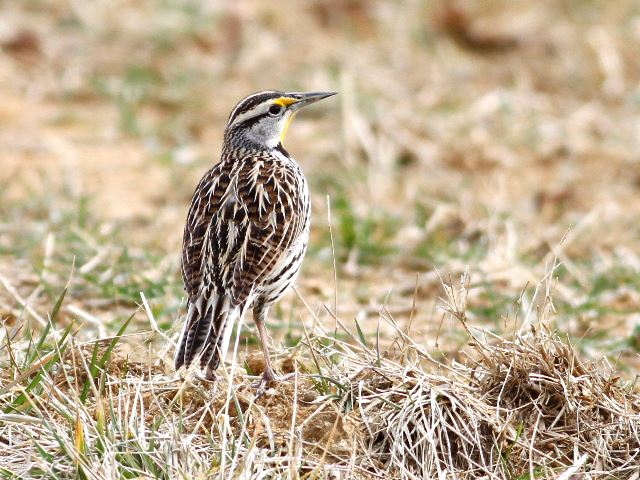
pixel 508 408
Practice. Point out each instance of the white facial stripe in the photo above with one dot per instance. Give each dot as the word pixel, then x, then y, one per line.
pixel 259 109
pixel 254 112
pixel 244 101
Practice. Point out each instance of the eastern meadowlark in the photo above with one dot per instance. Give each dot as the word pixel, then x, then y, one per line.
pixel 247 229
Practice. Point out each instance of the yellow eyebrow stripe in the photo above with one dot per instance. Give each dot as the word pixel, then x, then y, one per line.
pixel 285 101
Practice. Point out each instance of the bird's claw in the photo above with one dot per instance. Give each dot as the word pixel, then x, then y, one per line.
pixel 262 385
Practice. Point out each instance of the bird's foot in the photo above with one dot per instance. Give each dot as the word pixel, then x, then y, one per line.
pixel 209 375
pixel 209 378
pixel 262 385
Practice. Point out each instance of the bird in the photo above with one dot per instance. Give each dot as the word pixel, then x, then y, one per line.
pixel 246 231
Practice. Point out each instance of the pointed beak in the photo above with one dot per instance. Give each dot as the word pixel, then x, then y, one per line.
pixel 304 99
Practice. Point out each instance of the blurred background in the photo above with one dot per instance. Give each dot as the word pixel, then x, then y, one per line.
pixel 497 135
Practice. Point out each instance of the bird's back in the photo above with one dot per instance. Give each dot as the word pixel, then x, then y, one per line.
pixel 246 212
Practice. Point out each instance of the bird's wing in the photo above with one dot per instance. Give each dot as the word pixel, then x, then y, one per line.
pixel 253 215
pixel 205 203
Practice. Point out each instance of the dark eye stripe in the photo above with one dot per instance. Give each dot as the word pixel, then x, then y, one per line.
pixel 251 102
pixel 250 121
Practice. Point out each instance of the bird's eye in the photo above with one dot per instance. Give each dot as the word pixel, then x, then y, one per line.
pixel 275 110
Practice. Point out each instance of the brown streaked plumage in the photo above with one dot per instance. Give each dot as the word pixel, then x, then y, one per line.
pixel 246 231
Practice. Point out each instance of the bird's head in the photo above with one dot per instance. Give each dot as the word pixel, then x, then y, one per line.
pixel 261 120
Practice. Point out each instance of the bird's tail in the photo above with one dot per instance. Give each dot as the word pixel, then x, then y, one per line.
pixel 206 332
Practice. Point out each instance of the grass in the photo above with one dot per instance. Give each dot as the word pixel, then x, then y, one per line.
pixel 495 138
pixel 506 408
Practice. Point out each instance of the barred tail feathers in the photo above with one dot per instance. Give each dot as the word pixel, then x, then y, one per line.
pixel 205 336
pixel 185 336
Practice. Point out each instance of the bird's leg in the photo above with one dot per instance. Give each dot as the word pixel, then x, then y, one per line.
pixel 268 375
pixel 259 316
pixel 210 374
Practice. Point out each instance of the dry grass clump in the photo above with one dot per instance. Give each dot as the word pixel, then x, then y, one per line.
pixel 521 408
pixel 575 408
pixel 511 408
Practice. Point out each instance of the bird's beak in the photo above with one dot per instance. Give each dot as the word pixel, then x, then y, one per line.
pixel 304 99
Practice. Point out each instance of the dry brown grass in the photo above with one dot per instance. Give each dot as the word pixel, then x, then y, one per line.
pixel 484 135
pixel 522 408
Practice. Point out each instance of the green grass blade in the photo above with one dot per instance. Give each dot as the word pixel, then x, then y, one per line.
pixel 98 364
pixel 361 336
